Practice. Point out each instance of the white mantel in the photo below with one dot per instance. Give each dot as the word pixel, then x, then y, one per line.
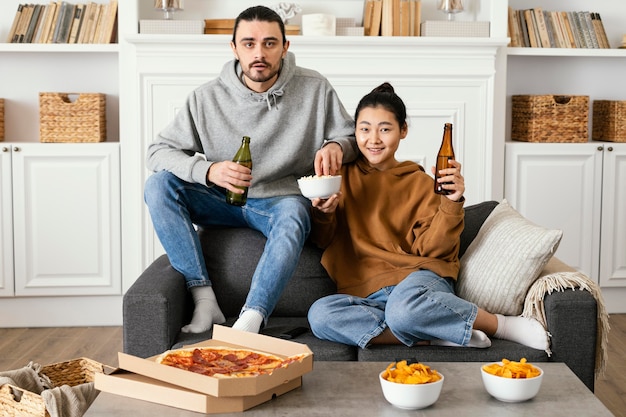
pixel 440 80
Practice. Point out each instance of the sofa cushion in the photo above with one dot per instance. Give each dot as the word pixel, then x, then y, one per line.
pixel 231 264
pixel 504 260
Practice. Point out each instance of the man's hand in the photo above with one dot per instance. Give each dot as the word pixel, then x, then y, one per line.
pixel 452 175
pixel 328 159
pixel 228 174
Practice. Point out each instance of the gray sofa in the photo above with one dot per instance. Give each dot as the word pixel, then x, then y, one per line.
pixel 157 305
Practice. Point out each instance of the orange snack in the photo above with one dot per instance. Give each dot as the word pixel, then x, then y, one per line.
pixel 415 373
pixel 512 369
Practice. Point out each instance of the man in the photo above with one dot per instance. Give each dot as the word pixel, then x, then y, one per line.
pixel 297 126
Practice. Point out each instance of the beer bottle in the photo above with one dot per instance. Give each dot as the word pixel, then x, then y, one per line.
pixel 242 157
pixel 446 152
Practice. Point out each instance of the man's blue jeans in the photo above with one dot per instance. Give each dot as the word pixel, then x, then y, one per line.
pixel 176 206
pixel 421 307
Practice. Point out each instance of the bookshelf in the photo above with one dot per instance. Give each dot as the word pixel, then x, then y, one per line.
pixel 585 195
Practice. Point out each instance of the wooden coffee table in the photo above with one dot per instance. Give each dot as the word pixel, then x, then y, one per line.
pixel 352 389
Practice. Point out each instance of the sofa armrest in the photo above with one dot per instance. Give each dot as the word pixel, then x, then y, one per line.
pixel 155 308
pixel 571 317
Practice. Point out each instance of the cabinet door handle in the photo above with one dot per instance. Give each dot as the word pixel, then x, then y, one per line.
pixel 5 149
pixel 600 148
pixel 610 148
pixel 16 149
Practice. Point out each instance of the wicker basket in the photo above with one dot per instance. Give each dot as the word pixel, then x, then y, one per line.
pixel 64 120
pixel 550 118
pixel 1 119
pixel 609 121
pixel 72 373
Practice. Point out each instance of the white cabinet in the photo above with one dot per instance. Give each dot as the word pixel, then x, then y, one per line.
pixel 60 219
pixel 578 188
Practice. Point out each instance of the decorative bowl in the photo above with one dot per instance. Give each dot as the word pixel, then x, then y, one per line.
pixel 319 186
pixel 511 389
pixel 411 396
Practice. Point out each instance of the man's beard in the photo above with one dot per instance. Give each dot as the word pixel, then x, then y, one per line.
pixel 257 76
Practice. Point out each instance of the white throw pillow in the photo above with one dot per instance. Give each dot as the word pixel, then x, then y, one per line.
pixel 502 262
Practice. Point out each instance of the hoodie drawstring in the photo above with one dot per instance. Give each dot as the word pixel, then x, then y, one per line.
pixel 273 94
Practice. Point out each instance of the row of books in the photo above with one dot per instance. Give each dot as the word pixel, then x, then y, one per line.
pixel 392 17
pixel 538 28
pixel 64 22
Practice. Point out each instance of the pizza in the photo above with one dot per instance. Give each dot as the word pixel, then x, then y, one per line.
pixel 224 361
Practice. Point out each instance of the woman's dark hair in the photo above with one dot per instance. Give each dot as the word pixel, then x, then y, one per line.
pixel 262 14
pixel 384 96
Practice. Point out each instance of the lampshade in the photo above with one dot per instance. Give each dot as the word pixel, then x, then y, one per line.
pixel 168 7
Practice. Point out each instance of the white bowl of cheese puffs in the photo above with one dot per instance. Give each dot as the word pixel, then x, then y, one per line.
pixel 511 381
pixel 411 386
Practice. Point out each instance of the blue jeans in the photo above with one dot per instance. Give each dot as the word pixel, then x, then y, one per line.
pixel 421 307
pixel 176 206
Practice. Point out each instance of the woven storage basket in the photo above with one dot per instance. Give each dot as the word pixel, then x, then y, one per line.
pixel 550 118
pixel 72 373
pixel 609 121
pixel 62 119
pixel 1 119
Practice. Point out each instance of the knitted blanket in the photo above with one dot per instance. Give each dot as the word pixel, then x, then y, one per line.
pixel 557 279
pixel 62 401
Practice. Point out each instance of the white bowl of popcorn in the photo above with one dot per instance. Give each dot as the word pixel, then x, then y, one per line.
pixel 319 186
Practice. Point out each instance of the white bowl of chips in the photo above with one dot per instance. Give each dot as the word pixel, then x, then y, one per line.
pixel 404 391
pixel 319 186
pixel 510 381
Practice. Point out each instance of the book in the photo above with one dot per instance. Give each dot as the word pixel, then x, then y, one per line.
pixel 32 25
pixel 579 37
pixel 396 17
pixel 42 19
pixel 88 22
pixel 377 14
pixel 560 38
pixel 564 19
pixel 513 27
pixel 405 18
pixel 53 23
pixel 63 23
pixel 541 28
pixel 600 31
pixel 524 38
pixel 16 21
pixel 416 17
pixel 533 36
pixel 20 32
pixel 386 23
pixel 368 6
pixel 593 40
pixel 107 29
pixel 76 23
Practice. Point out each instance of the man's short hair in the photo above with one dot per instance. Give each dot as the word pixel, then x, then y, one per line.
pixel 260 13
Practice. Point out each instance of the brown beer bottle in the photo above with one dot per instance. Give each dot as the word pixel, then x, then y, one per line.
pixel 446 152
pixel 242 157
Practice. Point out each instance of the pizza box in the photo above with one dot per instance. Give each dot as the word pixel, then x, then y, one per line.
pixel 131 385
pixel 224 386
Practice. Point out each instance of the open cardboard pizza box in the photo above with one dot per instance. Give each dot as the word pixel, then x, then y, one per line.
pixel 228 387
pixel 141 387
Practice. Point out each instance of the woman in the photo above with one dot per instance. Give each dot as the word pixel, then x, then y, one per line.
pixel 391 245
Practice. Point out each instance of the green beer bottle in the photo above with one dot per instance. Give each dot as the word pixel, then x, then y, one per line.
pixel 242 157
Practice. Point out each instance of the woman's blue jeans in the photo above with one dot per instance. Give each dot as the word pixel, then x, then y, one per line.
pixel 421 307
pixel 176 206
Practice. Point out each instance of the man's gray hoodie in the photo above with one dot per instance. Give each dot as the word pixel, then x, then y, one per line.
pixel 287 125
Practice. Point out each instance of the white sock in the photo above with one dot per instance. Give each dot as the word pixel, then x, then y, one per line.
pixel 249 321
pixel 206 312
pixel 478 340
pixel 524 330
